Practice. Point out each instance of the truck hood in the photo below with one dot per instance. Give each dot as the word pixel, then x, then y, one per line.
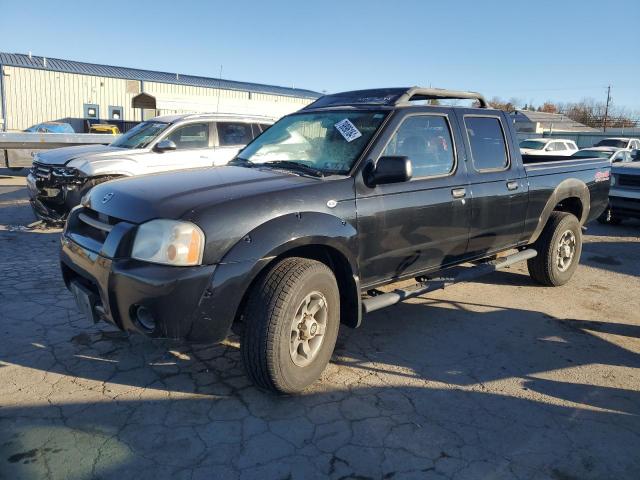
pixel 62 156
pixel 185 193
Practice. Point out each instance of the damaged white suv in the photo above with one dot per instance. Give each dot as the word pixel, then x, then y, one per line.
pixel 59 178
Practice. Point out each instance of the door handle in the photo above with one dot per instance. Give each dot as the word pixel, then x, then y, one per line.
pixel 458 192
pixel 512 185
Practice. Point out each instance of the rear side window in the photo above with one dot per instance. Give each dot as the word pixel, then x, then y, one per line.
pixel 558 146
pixel 426 140
pixel 488 146
pixel 256 129
pixel 234 133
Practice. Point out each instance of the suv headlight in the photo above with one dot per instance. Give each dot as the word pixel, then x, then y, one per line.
pixel 66 172
pixel 613 180
pixel 169 242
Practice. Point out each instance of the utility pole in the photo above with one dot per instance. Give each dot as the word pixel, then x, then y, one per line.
pixel 606 109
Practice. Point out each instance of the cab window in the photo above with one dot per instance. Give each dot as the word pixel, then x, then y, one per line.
pixel 426 140
pixel 487 142
pixel 191 136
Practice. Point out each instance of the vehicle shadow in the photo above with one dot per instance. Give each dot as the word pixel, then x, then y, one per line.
pixel 629 228
pixel 412 392
pixel 617 256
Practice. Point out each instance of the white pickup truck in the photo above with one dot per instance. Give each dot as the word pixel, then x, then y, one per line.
pixel 59 178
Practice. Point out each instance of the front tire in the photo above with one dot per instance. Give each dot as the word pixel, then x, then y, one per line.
pixel 559 248
pixel 291 319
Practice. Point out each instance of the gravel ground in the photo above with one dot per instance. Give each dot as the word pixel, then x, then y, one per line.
pixel 496 379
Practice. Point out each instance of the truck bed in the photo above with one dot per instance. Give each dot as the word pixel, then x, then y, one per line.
pixel 545 177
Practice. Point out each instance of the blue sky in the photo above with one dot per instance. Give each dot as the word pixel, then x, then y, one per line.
pixel 533 51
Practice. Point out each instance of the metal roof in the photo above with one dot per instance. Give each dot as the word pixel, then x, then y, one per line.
pixel 559 121
pixel 83 68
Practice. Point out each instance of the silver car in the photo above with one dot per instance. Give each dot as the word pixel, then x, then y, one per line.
pixel 59 178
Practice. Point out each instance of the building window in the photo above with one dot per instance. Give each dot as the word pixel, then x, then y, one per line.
pixel 91 110
pixel 115 113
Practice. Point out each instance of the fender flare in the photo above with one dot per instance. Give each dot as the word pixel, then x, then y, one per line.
pixel 569 188
pixel 249 257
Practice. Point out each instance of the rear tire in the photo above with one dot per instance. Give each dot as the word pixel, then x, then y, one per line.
pixel 559 248
pixel 285 347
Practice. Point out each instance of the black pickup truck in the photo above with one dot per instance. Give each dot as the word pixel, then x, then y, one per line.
pixel 355 191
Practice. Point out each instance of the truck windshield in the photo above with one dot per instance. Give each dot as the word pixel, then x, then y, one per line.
pixel 141 135
pixel 612 142
pixel 592 154
pixel 532 144
pixel 328 142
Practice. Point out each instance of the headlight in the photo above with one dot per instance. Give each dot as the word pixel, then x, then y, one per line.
pixel 613 180
pixel 65 172
pixel 169 242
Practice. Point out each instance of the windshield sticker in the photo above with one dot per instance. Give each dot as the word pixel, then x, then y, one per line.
pixel 348 130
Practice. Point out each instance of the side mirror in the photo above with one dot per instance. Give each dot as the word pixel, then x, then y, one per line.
pixel 165 146
pixel 389 169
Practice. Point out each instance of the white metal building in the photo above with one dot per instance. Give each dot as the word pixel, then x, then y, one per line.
pixel 37 89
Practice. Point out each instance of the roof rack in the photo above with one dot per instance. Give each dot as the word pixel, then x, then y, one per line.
pixel 393 97
pixel 419 93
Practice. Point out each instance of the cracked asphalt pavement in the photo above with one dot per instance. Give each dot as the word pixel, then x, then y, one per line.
pixel 495 379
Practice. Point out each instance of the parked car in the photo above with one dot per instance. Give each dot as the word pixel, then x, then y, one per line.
pixel 51 127
pixel 624 196
pixel 60 177
pixel 620 142
pixel 548 146
pixel 104 128
pixel 355 191
pixel 613 154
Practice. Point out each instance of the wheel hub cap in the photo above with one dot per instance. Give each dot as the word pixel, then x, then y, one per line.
pixel 566 250
pixel 307 329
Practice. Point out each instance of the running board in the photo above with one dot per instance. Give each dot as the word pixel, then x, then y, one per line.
pixel 425 285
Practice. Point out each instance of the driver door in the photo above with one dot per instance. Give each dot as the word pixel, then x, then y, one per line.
pixel 422 224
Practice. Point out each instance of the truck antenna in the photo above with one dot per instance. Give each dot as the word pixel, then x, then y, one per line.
pixel 606 109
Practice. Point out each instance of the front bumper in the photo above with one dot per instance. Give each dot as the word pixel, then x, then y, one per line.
pixel 627 206
pixel 52 200
pixel 178 298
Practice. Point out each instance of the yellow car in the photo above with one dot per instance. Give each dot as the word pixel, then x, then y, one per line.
pixel 104 128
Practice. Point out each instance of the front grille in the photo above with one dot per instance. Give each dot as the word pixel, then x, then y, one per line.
pixel 629 181
pixel 41 171
pixel 94 225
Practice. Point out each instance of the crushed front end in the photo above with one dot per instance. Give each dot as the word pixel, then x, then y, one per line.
pixel 54 190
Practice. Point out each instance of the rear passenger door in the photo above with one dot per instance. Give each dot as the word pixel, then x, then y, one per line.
pixel 559 148
pixel 499 189
pixel 232 137
pixel 409 227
